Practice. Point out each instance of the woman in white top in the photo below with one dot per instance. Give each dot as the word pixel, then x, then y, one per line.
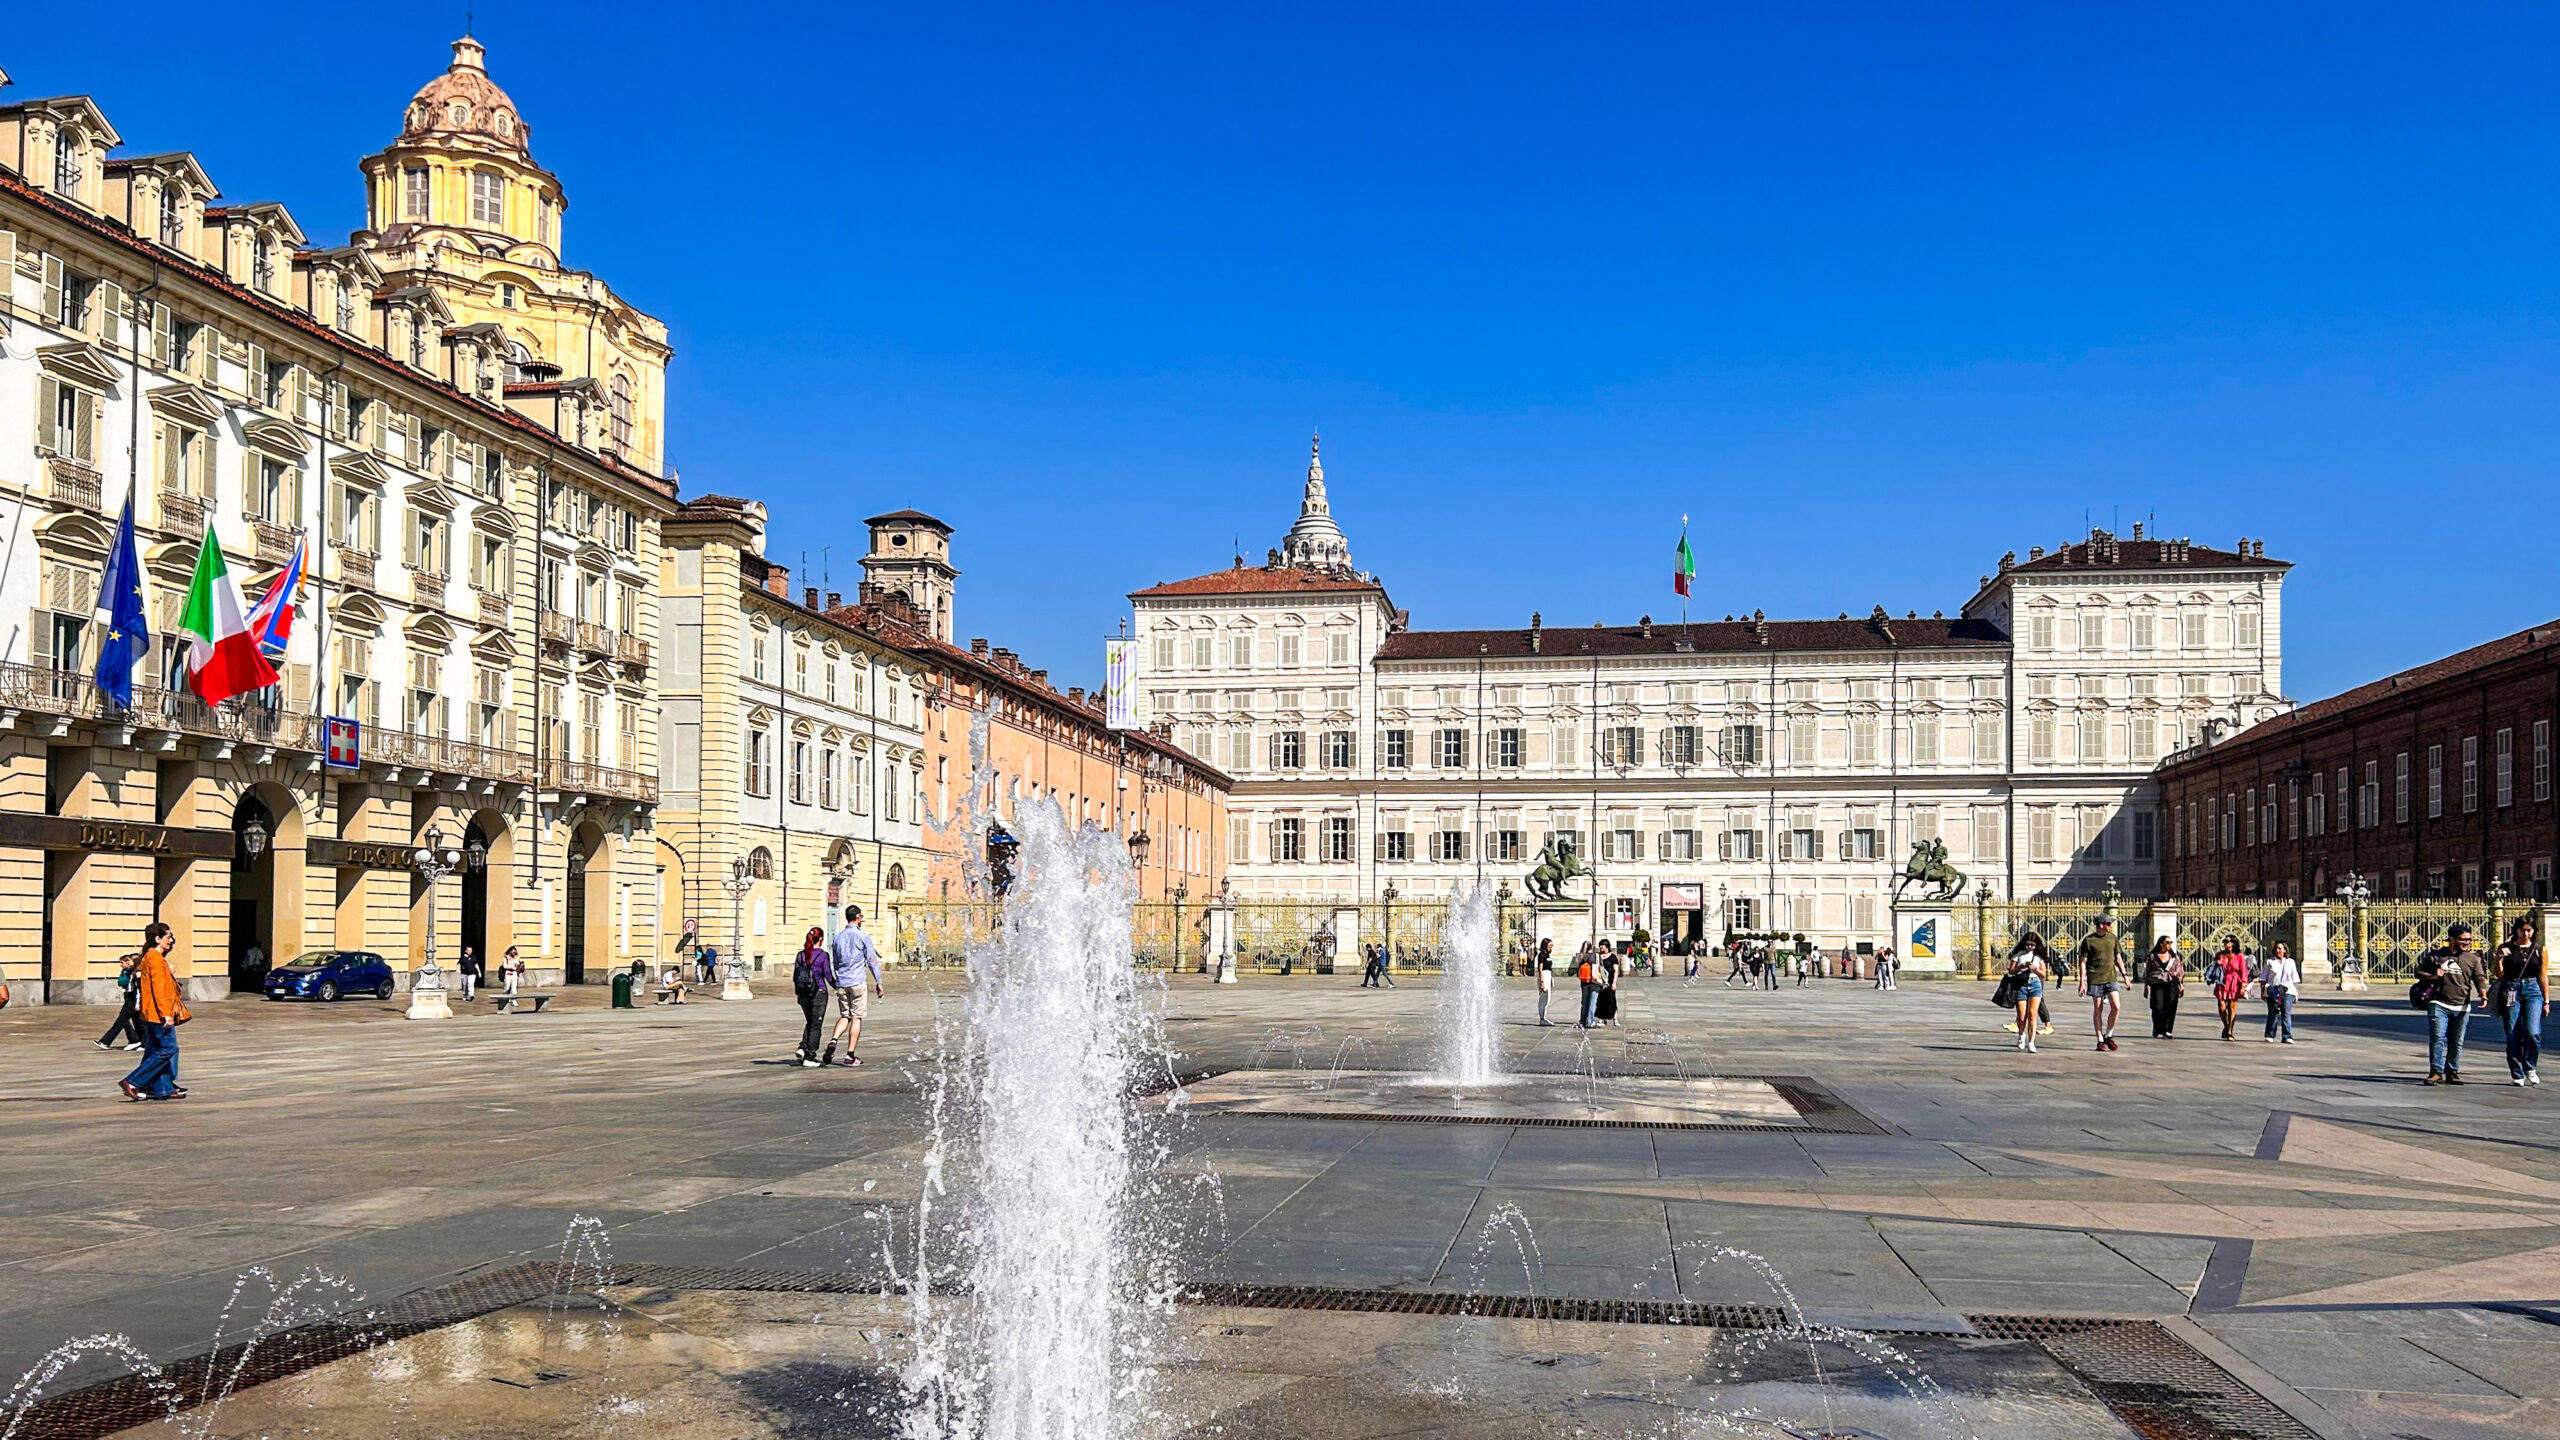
pixel 2279 977
pixel 2026 966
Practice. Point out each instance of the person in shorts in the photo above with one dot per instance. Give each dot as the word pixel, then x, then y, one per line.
pixel 857 964
pixel 2102 980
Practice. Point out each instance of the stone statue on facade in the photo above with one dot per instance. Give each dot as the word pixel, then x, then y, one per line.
pixel 1557 863
pixel 1928 866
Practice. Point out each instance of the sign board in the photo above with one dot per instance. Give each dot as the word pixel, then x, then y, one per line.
pixel 120 837
pixel 1924 938
pixel 1119 685
pixel 1684 897
pixel 341 743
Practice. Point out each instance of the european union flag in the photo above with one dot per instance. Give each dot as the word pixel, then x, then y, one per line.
pixel 126 625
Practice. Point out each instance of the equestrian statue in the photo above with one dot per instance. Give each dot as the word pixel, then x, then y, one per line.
pixel 1557 863
pixel 1928 866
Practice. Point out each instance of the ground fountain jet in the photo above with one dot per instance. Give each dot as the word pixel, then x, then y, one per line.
pixel 1469 1018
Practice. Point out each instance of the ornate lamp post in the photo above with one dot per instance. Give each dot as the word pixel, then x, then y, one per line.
pixel 1982 933
pixel 1388 898
pixel 738 884
pixel 2497 893
pixel 1140 845
pixel 2354 890
pixel 253 838
pixel 435 860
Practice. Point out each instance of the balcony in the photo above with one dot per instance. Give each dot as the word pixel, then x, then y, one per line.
pixel 355 567
pixel 574 777
pixel 631 649
pixel 449 757
pixel 71 696
pixel 70 483
pixel 595 639
pixel 557 628
pixel 494 609
pixel 181 511
pixel 425 587
pixel 275 542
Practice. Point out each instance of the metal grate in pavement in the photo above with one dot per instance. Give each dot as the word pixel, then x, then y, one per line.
pixel 1820 1111
pixel 2156 1383
pixel 1500 1307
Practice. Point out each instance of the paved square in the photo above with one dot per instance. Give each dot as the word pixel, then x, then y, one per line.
pixel 2369 1255
pixel 1631 1101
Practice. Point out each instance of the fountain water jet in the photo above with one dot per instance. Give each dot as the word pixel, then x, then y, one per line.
pixel 1470 1049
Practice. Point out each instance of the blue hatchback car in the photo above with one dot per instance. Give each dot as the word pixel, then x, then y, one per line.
pixel 330 975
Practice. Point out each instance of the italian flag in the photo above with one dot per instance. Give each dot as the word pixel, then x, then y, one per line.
pixel 1684 565
pixel 223 658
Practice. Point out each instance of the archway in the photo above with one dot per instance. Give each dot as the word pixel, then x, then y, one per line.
pixel 488 882
pixel 590 909
pixel 251 947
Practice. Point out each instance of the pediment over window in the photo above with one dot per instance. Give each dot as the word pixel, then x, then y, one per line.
pixel 187 403
pixel 79 362
pixel 494 520
pixel 275 437
pixel 358 610
pixel 428 628
pixel 357 468
pixel 495 645
pixel 75 534
pixel 431 496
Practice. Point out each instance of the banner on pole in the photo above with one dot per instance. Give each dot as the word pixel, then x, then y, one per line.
pixel 1119 689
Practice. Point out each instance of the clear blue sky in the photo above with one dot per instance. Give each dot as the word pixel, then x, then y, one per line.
pixel 1872 293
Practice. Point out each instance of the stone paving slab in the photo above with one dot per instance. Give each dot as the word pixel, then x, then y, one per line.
pixel 1665 1101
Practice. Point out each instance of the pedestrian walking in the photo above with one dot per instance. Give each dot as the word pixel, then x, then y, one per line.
pixel 511 970
pixel 1735 953
pixel 2031 941
pixel 2524 999
pixel 2163 980
pixel 856 960
pixel 126 1033
pixel 2449 983
pixel 1604 1007
pixel 1884 967
pixel 2102 981
pixel 2229 973
pixel 1545 968
pixel 813 985
pixel 2026 986
pixel 1586 971
pixel 471 967
pixel 163 1010
pixel 1372 966
pixel 2279 981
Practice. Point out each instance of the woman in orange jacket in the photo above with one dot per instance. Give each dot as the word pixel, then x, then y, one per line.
pixel 163 1009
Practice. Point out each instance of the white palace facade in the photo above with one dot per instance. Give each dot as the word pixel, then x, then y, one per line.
pixel 1743 773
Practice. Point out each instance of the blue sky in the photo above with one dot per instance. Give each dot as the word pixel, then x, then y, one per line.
pixel 1872 293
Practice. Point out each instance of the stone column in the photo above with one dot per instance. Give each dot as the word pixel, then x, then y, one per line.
pixel 2164 921
pixel 2315 939
pixel 1222 942
pixel 1346 939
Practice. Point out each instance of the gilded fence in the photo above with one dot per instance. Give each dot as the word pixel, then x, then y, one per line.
pixel 2258 924
pixel 2062 924
pixel 2390 935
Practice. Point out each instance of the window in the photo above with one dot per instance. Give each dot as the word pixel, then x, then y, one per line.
pixel 1503 845
pixel 2369 800
pixel 1741 745
pixel 2435 782
pixel 1680 842
pixel 1625 845
pixel 1804 732
pixel 1680 745
pixel 2244 629
pixel 1336 750
pixel 1449 844
pixel 1452 749
pixel 2040 832
pixel 2470 774
pixel 1506 749
pixel 1288 650
pixel 2040 632
pixel 2267 830
pixel 2541 760
pixel 2146 737
pixel 2191 629
pixel 262 264
pixel 1394 845
pixel 1337 649
pixel 1986 738
pixel 1741 839
pixel 1288 839
pixel 1337 838
pixel 1240 750
pixel 488 199
pixel 427 549
pixel 2502 773
pixel 2249 835
pixel 1200 648
pixel 66 165
pixel 1924 740
pixel 759 763
pixel 1568 745
pixel 1622 745
pixel 830 775
pixel 173 216
pixel 2093 737
pixel 621 411
pixel 1987 834
pixel 2040 738
pixel 1862 740
pixel 71 303
pixel 800 772
pixel 1864 843
pixel 413 192
pixel 1396 749
pixel 1240 652
pixel 2144 625
pixel 2093 630
pixel 2400 788
pixel 2146 836
pixel 1289 750
pixel 2319 817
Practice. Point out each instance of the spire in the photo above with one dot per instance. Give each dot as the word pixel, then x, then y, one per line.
pixel 1315 542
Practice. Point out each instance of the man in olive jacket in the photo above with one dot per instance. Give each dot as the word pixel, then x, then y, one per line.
pixel 2455 973
pixel 162 1007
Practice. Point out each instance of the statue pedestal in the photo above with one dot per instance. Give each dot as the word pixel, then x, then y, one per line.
pixel 734 985
pixel 1565 923
pixel 427 997
pixel 1220 952
pixel 1924 937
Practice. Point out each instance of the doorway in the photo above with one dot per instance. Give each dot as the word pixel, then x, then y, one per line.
pixel 249 951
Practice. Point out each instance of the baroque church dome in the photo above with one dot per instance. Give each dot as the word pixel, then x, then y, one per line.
pixel 464 103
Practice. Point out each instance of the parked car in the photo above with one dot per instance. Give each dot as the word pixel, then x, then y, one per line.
pixel 330 974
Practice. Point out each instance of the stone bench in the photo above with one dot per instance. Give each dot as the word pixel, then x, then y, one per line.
pixel 512 1004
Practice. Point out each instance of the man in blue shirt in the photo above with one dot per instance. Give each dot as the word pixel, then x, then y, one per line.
pixel 856 961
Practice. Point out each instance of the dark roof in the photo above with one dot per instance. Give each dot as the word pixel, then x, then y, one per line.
pixel 1711 637
pixel 2454 666
pixel 1264 580
pixel 2104 552
pixel 908 515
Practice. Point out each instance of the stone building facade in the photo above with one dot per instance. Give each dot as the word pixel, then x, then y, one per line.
pixel 481 593
pixel 794 748
pixel 2435 782
pixel 1741 773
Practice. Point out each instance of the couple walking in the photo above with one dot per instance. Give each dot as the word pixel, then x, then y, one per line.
pixel 2453 978
pixel 2231 971
pixel 836 971
pixel 1597 968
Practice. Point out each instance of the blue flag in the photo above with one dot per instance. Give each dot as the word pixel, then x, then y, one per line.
pixel 125 625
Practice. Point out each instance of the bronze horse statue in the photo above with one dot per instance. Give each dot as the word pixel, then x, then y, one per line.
pixel 1557 863
pixel 1928 866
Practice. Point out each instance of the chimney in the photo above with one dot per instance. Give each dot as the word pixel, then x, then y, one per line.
pixel 1644 626
pixel 1075 695
pixel 810 599
pixel 1040 677
pixel 978 646
pixel 835 599
pixel 1537 633
pixel 2034 553
pixel 2137 529
pixel 2008 563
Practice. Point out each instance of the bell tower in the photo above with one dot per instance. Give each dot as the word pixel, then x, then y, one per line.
pixel 910 561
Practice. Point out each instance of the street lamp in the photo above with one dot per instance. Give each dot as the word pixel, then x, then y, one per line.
pixel 253 838
pixel 741 880
pixel 1001 850
pixel 1388 895
pixel 2356 891
pixel 1139 845
pixel 434 860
